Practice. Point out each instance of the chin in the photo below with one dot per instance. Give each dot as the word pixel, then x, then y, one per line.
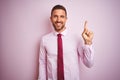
pixel 59 28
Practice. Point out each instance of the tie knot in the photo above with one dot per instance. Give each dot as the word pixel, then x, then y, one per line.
pixel 59 35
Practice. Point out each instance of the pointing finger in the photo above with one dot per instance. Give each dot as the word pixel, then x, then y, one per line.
pixel 85 25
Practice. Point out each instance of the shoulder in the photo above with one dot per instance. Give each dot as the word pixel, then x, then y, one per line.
pixel 47 36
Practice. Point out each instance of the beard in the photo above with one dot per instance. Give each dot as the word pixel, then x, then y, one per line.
pixel 57 27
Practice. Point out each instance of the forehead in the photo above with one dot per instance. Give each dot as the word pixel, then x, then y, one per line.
pixel 58 12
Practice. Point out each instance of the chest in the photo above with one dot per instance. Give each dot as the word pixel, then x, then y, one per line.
pixel 69 46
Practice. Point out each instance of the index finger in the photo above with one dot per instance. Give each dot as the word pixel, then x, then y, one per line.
pixel 85 25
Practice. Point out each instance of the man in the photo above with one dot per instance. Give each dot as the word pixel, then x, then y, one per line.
pixel 73 50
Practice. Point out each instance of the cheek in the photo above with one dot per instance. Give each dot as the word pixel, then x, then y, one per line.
pixel 64 21
pixel 53 20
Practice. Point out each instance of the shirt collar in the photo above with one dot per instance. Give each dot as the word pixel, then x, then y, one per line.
pixel 63 33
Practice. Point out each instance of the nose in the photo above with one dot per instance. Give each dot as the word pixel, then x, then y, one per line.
pixel 58 19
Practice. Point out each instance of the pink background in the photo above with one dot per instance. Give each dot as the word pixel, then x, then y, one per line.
pixel 23 22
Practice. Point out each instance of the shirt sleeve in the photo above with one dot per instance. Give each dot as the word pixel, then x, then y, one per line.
pixel 42 62
pixel 86 54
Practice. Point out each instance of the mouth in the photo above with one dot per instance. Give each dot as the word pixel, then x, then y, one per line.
pixel 58 24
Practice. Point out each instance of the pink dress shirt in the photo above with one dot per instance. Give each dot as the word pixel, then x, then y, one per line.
pixel 73 51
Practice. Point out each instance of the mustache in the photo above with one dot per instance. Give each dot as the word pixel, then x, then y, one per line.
pixel 59 22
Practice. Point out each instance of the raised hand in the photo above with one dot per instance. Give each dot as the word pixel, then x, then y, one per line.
pixel 87 35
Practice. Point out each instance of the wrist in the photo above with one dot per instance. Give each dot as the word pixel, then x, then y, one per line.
pixel 88 42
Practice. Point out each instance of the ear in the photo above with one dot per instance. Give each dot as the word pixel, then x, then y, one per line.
pixel 50 18
pixel 66 17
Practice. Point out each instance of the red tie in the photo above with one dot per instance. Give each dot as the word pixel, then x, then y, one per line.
pixel 60 66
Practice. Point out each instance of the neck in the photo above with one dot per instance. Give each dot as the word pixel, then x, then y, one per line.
pixel 61 30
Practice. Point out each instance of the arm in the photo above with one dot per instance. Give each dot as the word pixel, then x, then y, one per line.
pixel 87 52
pixel 87 55
pixel 42 62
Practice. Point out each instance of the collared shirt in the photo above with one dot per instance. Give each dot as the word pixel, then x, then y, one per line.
pixel 73 51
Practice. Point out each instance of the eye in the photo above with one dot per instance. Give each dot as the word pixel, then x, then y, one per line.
pixel 62 16
pixel 55 16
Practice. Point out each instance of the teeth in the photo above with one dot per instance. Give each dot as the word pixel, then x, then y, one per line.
pixel 58 23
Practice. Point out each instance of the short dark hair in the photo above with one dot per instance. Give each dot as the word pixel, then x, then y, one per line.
pixel 59 7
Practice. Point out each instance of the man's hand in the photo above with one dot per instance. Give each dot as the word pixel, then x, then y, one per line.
pixel 87 35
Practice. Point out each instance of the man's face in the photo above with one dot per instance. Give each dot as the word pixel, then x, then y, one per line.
pixel 58 19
